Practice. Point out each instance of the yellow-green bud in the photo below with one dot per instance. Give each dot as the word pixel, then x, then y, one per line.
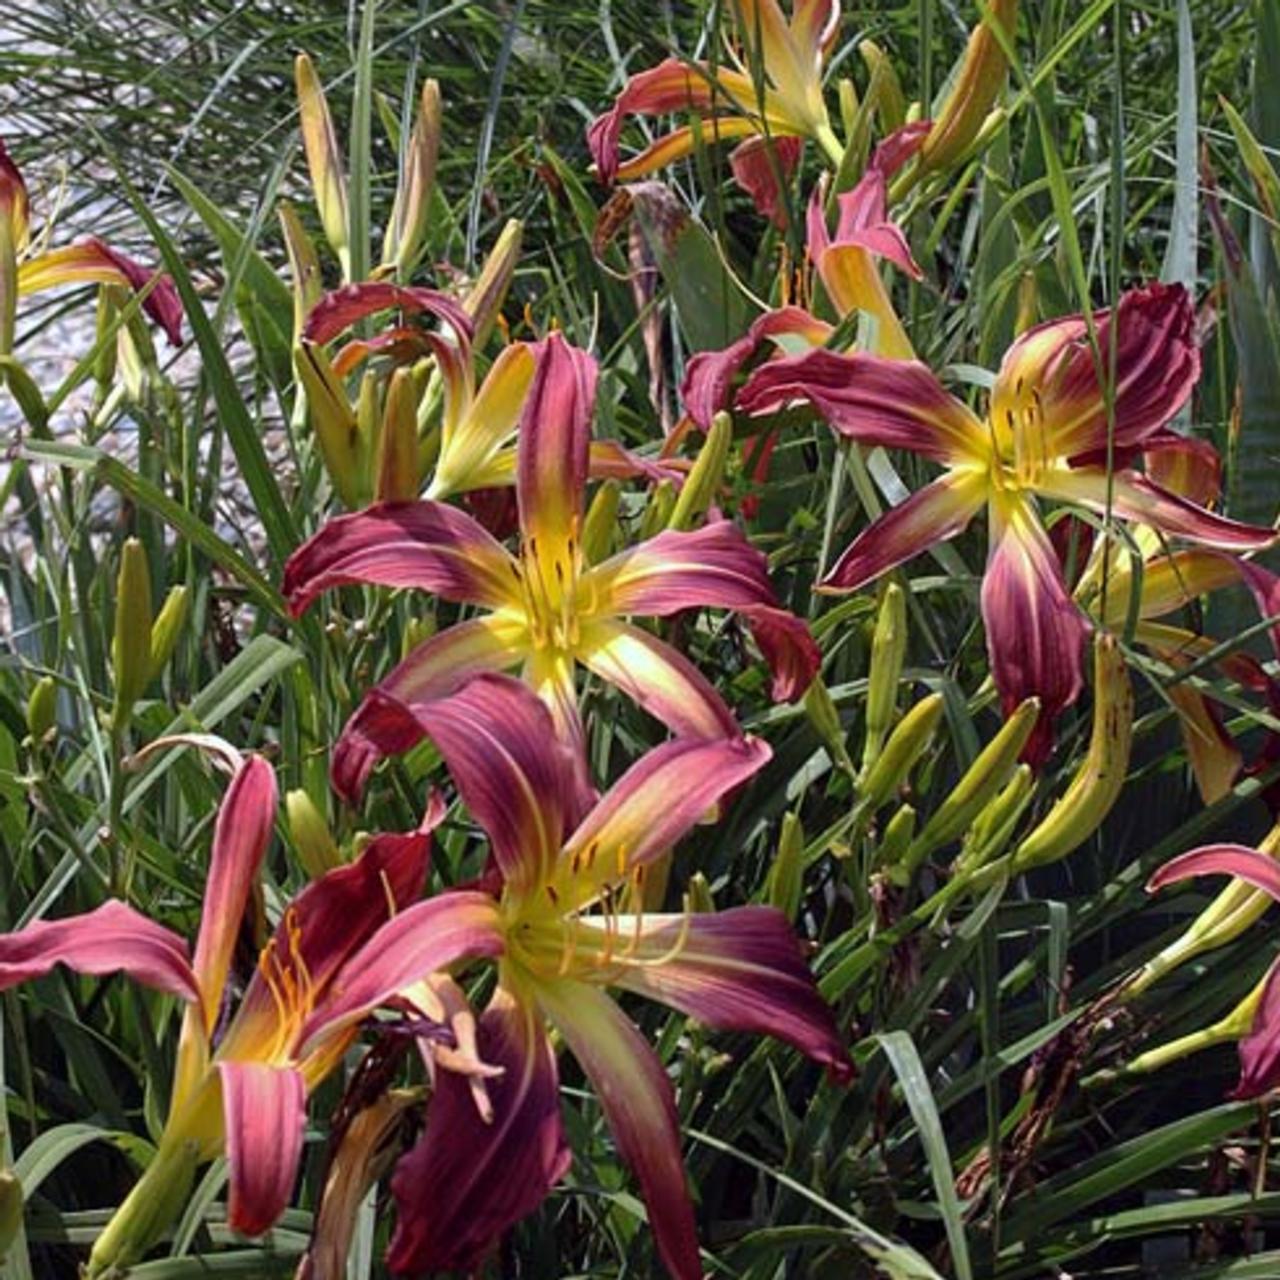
pixel 10 1209
pixel 785 882
pixel 418 629
pixel 484 299
pixel 304 267
pixel 42 709
pixel 662 500
pixel 601 523
pixel 412 208
pixel 705 477
pixel 993 828
pixel 332 421
pixel 312 839
pixel 167 627
pixel 894 844
pixel 888 652
pixel 698 897
pixel 825 719
pixel 907 743
pixel 324 157
pixel 884 88
pixel 131 648
pixel 398 477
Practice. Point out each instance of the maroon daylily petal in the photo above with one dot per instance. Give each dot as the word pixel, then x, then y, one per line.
pixel 1035 632
pixel 241 835
pixel 895 150
pixel 343 307
pixel 386 724
pixel 466 1182
pixel 401 345
pixel 425 544
pixel 931 515
pixel 112 938
pixel 265 1112
pixel 513 772
pixel 737 970
pixel 639 1106
pixel 1186 466
pixel 871 399
pixel 761 166
pixel 788 646
pixel 709 377
pixel 1260 1049
pixel 460 924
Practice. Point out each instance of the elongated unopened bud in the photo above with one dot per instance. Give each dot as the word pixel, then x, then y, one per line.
pixel 974 91
pixel 1096 784
pixel 706 475
pixel 601 522
pixel 894 844
pixel 131 647
pixel 411 211
pixel 989 772
pixel 662 501
pixel 825 718
pixel 42 708
pixel 10 1209
pixel 312 839
pixel 888 652
pixel 906 744
pixel 167 627
pixel 398 476
pixel 304 267
pixel 324 157
pixel 785 882
pixel 333 421
pixel 484 299
pixel 993 828
pixel 1232 911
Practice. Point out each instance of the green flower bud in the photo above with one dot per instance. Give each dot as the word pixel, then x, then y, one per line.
pixel 332 421
pixel 662 501
pixel 411 211
pixel 42 709
pixel 907 743
pixel 888 652
pixel 324 157
pixel 785 882
pixel 316 848
pixel 131 648
pixel 697 896
pixel 704 480
pixel 398 477
pixel 10 1209
pixel 825 719
pixel 167 627
pixel 601 523
pixel 484 299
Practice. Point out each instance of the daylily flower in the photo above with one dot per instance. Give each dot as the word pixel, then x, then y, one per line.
pixel 241 1090
pixel 1260 1049
pixel 87 261
pixel 548 609
pixel 562 940
pixel 1169 581
pixel 777 109
pixel 1045 436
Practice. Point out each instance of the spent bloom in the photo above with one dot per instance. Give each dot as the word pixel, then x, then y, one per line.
pixel 557 924
pixel 547 608
pixel 1045 436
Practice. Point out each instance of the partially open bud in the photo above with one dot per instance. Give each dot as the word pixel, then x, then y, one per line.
pixel 333 421
pixel 167 627
pixel 131 647
pixel 484 299
pixel 316 848
pixel 410 213
pixel 324 158
pixel 974 91
pixel 398 478
pixel 785 882
pixel 888 652
pixel 706 475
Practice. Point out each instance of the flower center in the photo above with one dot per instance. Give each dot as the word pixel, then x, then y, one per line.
pixel 287 978
pixel 1020 436
pixel 548 583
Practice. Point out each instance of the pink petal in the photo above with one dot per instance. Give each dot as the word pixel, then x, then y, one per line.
pixel 343 307
pixel 1157 364
pixel 871 399
pixel 386 722
pixel 1260 1049
pixel 761 166
pixel 788 646
pixel 513 772
pixel 737 970
pixel 466 1182
pixel 552 454
pixel 460 924
pixel 895 150
pixel 241 835
pixel 1235 860
pixel 638 1104
pixel 1035 632
pixel 426 545
pixel 931 515
pixel 657 677
pixel 709 376
pixel 649 808
pixel 265 1112
pixel 113 937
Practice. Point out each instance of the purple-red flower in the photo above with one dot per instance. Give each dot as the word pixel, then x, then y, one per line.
pixel 563 936
pixel 1045 436
pixel 548 610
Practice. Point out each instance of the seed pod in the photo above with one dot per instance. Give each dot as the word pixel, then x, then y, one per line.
pixel 706 476
pixel 316 848
pixel 167 627
pixel 601 523
pixel 324 158
pixel 398 476
pixel 1096 785
pixel 785 882
pixel 979 783
pixel 411 211
pixel 484 299
pixel 131 648
pixel 888 652
pixel 42 708
pixel 907 743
